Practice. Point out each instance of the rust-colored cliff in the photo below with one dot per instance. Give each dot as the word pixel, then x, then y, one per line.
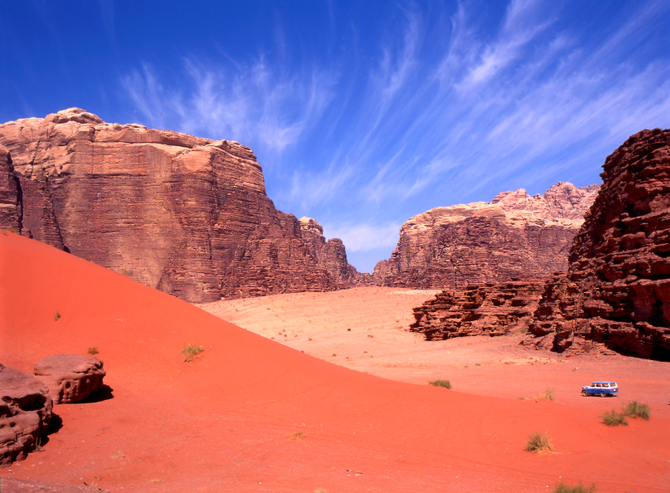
pixel 515 235
pixel 492 309
pixel 617 288
pixel 187 215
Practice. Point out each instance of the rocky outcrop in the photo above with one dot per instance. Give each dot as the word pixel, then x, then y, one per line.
pixel 330 254
pixel 10 203
pixel 486 309
pixel 515 235
pixel 10 485
pixel 187 215
pixel 70 377
pixel 617 288
pixel 25 412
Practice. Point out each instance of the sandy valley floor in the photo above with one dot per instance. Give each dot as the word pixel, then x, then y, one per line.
pixel 367 329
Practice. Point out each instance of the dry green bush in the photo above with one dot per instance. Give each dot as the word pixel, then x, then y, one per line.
pixel 191 351
pixel 562 488
pixel 636 410
pixel 539 443
pixel 441 383
pixel 613 418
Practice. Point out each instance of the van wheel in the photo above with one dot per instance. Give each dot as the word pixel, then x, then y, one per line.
pixel 602 394
pixel 584 393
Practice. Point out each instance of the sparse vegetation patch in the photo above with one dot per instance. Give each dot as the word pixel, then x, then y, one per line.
pixel 539 443
pixel 441 383
pixel 56 316
pixel 613 418
pixel 548 394
pixel 636 410
pixel 191 351
pixel 93 351
pixel 562 488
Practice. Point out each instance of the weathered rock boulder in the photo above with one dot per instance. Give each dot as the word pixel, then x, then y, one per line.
pixel 491 309
pixel 183 214
pixel 617 289
pixel 9 485
pixel 515 235
pixel 70 377
pixel 25 413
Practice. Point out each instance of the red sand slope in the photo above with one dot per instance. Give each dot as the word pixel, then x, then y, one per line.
pixel 252 415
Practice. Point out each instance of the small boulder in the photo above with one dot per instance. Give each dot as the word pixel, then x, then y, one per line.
pixel 70 377
pixel 25 412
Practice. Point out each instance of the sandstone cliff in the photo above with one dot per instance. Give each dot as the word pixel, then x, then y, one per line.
pixel 330 254
pixel 617 288
pixel 515 235
pixel 491 309
pixel 187 215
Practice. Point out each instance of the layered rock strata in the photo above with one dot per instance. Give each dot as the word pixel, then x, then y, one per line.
pixel 187 215
pixel 617 288
pixel 70 377
pixel 486 309
pixel 10 201
pixel 515 235
pixel 329 254
pixel 25 413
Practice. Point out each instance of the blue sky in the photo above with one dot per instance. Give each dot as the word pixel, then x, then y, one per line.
pixel 362 113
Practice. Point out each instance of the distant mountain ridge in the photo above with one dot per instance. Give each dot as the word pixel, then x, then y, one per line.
pixel 513 236
pixel 190 216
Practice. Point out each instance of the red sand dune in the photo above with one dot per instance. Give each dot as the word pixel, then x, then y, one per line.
pixel 253 415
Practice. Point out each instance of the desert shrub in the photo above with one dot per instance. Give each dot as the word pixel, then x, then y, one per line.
pixel 191 351
pixel 56 316
pixel 548 394
pixel 441 383
pixel 613 418
pixel 93 351
pixel 635 409
pixel 562 488
pixel 539 443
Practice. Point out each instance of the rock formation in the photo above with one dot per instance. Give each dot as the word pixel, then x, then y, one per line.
pixel 10 203
pixel 513 236
pixel 184 214
pixel 492 309
pixel 70 377
pixel 329 254
pixel 25 412
pixel 617 288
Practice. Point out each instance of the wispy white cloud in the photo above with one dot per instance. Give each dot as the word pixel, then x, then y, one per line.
pixel 445 109
pixel 363 237
pixel 256 104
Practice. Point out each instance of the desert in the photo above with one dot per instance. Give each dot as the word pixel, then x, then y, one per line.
pixel 335 247
pixel 254 415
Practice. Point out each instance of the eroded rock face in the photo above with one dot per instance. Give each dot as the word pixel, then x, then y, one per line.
pixel 70 377
pixel 491 309
pixel 9 485
pixel 515 235
pixel 10 203
pixel 25 413
pixel 617 288
pixel 186 215
pixel 331 254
